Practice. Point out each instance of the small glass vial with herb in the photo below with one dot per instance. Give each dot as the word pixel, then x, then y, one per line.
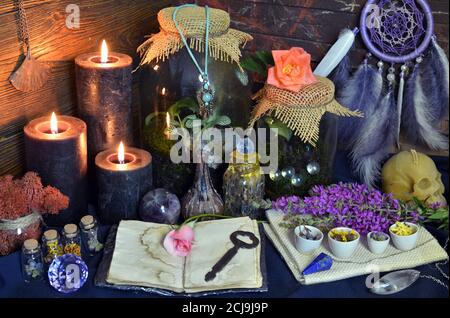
pixel 32 262
pixel 89 230
pixel 52 246
pixel 243 182
pixel 72 240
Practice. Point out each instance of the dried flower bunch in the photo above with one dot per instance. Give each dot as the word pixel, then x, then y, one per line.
pixel 403 229
pixel 21 197
pixel 345 205
pixel 343 235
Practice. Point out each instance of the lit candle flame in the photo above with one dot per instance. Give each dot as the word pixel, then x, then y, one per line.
pixel 121 154
pixel 167 133
pixel 54 124
pixel 104 53
pixel 163 91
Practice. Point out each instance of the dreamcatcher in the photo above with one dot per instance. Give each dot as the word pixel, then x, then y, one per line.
pixel 408 88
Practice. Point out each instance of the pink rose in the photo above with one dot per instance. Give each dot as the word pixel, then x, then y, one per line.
pixel 292 70
pixel 179 242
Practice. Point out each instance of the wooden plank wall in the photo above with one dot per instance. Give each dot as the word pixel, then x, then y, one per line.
pixel 311 24
pixel 123 23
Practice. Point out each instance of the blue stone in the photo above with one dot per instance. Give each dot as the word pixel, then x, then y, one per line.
pixel 207 97
pixel 67 273
pixel 321 263
pixel 206 86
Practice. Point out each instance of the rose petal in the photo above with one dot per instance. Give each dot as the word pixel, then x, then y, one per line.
pixel 169 243
pixel 184 233
pixel 272 79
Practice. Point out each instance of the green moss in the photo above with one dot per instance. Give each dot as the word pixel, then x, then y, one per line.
pixel 177 178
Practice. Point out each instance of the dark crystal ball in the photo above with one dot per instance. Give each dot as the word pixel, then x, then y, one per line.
pixel 160 206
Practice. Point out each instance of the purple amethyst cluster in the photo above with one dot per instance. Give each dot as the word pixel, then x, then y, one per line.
pixel 349 204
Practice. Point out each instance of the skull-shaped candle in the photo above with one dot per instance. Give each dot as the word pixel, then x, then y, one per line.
pixel 411 174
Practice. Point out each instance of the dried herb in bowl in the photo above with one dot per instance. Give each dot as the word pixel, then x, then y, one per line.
pixel 307 234
pixel 343 235
pixel 403 229
pixel 379 236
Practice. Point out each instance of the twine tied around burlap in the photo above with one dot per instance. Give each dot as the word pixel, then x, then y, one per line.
pixel 224 42
pixel 20 223
pixel 300 111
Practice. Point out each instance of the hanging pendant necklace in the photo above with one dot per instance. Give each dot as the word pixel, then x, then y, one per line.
pixel 32 74
pixel 205 95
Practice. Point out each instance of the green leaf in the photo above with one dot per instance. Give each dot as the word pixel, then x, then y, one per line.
pixel 185 103
pixel 265 57
pixel 419 203
pixel 189 123
pixel 283 130
pixel 189 118
pixel 150 117
pixel 440 215
pixel 223 121
pixel 251 64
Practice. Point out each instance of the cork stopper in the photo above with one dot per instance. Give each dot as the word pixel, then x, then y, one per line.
pixel 70 230
pixel 50 235
pixel 31 244
pixel 87 222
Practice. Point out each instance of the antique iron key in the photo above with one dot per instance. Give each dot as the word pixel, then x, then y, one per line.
pixel 238 244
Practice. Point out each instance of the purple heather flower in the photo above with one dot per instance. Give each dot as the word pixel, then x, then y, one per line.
pixel 349 204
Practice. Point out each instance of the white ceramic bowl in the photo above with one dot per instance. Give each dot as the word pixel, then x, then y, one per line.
pixel 405 243
pixel 377 247
pixel 343 249
pixel 305 246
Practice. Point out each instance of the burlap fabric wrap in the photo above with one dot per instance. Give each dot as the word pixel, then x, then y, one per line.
pixel 224 42
pixel 362 262
pixel 301 111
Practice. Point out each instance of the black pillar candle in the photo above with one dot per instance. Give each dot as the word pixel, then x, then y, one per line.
pixel 59 156
pixel 122 183
pixel 104 99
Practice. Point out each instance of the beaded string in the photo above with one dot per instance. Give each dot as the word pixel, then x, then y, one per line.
pixel 204 73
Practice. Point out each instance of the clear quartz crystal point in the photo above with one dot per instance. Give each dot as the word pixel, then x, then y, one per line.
pixel 395 282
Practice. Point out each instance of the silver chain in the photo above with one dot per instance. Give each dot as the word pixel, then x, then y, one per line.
pixel 24 33
pixel 437 265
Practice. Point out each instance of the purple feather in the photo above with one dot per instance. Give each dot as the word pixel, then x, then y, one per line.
pixel 341 74
pixel 436 73
pixel 375 140
pixel 418 118
pixel 409 120
pixel 362 92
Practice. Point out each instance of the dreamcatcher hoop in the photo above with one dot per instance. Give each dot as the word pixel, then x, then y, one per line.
pixel 376 48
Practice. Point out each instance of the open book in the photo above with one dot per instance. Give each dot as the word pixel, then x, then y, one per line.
pixel 140 259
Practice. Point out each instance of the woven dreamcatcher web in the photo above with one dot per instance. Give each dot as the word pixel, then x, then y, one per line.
pixel 397 31
pixel 399 28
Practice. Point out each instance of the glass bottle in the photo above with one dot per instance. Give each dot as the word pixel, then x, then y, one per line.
pixel 52 246
pixel 72 240
pixel 302 166
pixel 243 185
pixel 163 83
pixel 32 262
pixel 89 230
